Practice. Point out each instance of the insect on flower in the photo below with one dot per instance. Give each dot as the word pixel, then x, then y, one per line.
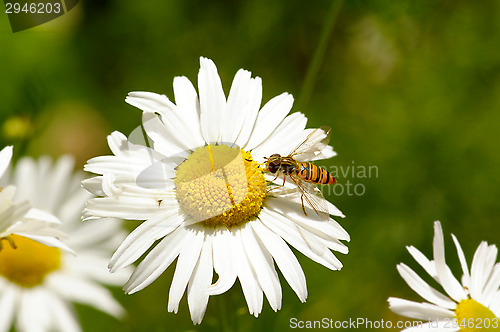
pixel 305 175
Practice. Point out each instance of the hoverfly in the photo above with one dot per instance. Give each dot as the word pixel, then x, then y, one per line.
pixel 304 174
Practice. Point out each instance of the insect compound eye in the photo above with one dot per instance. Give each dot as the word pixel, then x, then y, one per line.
pixel 273 163
pixel 273 167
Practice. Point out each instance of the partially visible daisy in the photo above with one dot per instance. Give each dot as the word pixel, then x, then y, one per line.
pixel 202 194
pixel 466 305
pixel 37 282
pixel 17 217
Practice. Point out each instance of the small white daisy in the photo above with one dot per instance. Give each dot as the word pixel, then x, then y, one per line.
pixel 37 282
pixel 473 303
pixel 201 190
pixel 20 218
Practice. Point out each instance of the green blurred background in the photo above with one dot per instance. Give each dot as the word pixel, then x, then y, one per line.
pixel 411 87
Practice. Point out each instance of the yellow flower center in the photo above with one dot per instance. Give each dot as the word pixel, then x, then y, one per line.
pixel 28 262
pixel 472 316
pixel 220 185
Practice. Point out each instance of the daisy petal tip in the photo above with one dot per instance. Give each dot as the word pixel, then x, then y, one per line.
pixel 111 267
pixel 173 310
pixel 437 225
pixel 7 151
pixel 128 290
pixel 133 94
pixel 206 63
pixel 288 98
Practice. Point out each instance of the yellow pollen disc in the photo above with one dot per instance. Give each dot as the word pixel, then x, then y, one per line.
pixel 220 185
pixel 472 316
pixel 30 261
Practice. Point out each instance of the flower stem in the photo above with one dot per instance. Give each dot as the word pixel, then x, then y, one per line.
pixel 319 55
pixel 225 308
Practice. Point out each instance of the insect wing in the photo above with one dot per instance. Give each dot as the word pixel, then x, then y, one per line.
pixel 314 143
pixel 313 196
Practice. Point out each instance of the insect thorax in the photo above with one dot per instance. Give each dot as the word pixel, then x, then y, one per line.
pixel 289 165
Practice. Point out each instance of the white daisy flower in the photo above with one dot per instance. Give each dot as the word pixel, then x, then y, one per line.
pixel 470 304
pixel 17 217
pixel 37 282
pixel 204 197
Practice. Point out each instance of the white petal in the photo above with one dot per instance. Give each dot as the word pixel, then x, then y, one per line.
pixel 42 216
pixel 263 265
pixel 142 238
pixel 481 268
pixel 284 257
pixel 24 178
pixel 93 185
pixel 327 229
pixel 156 261
pixel 255 99
pixel 286 137
pixel 188 257
pixel 173 125
pixel 224 261
pixel 242 108
pixel 424 262
pixel 6 196
pixel 94 233
pixel 69 208
pixel 118 165
pixel 63 318
pixel 492 287
pixel 495 304
pixel 334 211
pixel 118 144
pixel 313 242
pixel 188 106
pixel 121 147
pixel 129 208
pixel 56 180
pixel 89 265
pixel 423 311
pixel 423 289
pixel 325 153
pixel 5 157
pixel 11 214
pixel 248 279
pixel 200 280
pixel 449 283
pixel 8 304
pixel 314 146
pixel 150 102
pixel 33 314
pixel 167 140
pixel 85 292
pixel 129 159
pixel 291 234
pixel 212 101
pixel 463 262
pixel 160 175
pixel 48 241
pixel 269 117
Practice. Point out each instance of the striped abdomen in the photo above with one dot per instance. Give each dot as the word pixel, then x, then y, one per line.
pixel 315 174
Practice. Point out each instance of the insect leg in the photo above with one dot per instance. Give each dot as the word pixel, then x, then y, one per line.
pixel 284 178
pixel 302 201
pixel 277 174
